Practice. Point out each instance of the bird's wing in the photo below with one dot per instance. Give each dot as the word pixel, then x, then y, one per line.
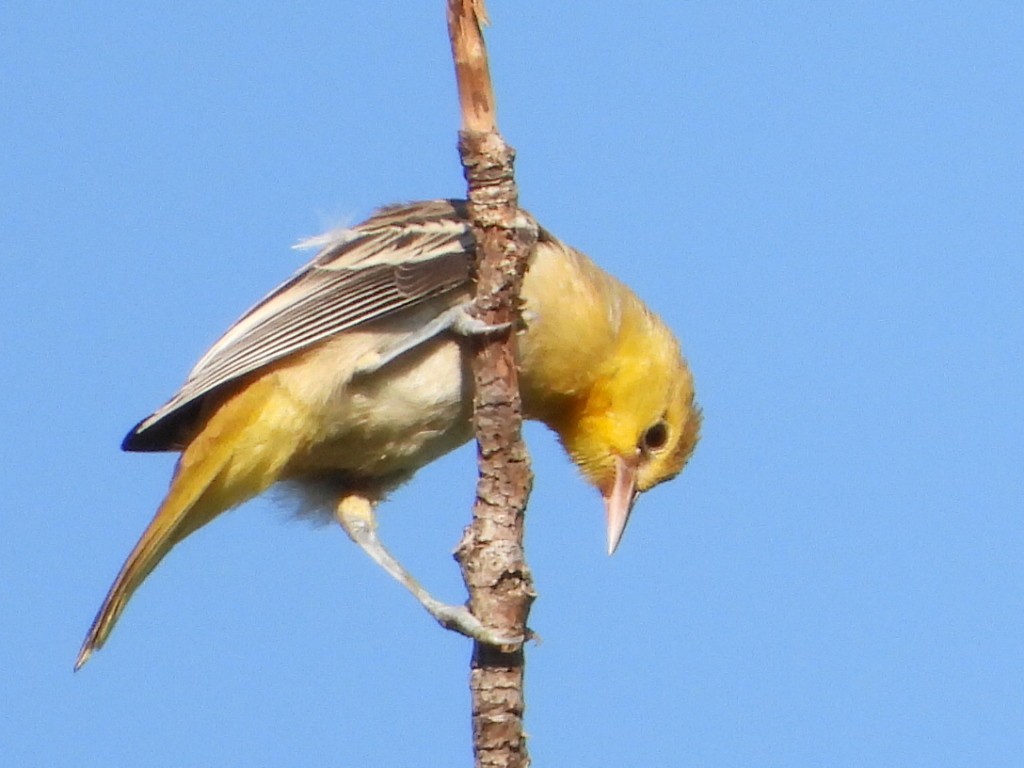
pixel 400 257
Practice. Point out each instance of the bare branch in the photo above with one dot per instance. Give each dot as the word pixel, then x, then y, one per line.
pixel 472 74
pixel 491 551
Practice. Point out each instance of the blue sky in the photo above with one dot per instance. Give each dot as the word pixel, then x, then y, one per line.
pixel 825 200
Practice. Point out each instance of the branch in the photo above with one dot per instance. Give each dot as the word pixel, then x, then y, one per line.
pixel 491 551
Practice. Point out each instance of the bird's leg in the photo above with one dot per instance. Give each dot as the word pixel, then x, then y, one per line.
pixel 456 320
pixel 355 513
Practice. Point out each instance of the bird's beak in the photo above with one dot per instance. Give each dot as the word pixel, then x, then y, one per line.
pixel 618 502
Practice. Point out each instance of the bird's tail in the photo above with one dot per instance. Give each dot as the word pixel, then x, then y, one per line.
pixel 222 467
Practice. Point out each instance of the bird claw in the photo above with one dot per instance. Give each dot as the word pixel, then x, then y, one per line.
pixel 458 618
pixel 466 324
pixel 457 320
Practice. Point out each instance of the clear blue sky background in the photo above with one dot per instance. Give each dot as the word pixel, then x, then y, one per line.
pixel 823 199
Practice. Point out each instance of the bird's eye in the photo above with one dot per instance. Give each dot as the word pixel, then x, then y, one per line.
pixel 655 438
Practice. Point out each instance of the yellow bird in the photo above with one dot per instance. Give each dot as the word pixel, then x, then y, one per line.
pixel 354 373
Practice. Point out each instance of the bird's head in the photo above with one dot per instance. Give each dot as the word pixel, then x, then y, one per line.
pixel 637 425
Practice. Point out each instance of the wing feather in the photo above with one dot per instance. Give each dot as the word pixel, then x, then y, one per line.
pixel 400 257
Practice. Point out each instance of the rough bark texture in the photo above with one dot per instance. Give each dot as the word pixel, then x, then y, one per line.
pixel 491 551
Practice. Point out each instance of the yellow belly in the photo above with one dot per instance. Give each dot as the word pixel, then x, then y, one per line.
pixel 391 422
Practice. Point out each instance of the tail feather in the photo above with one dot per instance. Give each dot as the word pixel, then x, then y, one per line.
pixel 221 468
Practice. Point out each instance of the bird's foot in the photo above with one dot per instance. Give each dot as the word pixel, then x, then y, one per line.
pixel 458 618
pixel 355 513
pixel 457 320
pixel 465 323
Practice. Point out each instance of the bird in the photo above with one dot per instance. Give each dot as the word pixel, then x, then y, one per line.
pixel 354 373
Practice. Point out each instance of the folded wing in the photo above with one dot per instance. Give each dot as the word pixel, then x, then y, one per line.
pixel 400 257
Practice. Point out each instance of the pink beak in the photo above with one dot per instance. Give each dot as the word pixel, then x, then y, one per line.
pixel 618 502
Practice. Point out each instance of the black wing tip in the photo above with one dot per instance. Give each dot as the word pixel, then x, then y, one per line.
pixel 135 440
pixel 152 439
pixel 170 432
